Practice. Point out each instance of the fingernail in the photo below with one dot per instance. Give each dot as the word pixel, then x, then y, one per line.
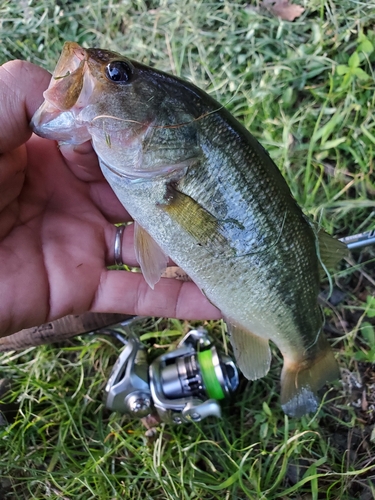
pixel 83 148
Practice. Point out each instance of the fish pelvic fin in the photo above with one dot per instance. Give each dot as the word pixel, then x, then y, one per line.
pixel 252 353
pixel 149 255
pixel 301 381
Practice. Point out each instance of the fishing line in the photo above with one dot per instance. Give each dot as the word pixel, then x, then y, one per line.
pixel 176 125
pixel 268 247
pixel 204 115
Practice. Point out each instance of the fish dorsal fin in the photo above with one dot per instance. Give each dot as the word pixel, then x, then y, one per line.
pixel 150 256
pixel 252 353
pixel 331 251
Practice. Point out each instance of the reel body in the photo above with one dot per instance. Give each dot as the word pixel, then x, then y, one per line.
pixel 183 385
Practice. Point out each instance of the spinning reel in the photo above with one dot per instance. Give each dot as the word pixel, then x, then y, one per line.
pixel 183 385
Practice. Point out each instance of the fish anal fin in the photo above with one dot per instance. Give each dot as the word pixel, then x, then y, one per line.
pixel 331 251
pixel 300 382
pixel 252 353
pixel 150 256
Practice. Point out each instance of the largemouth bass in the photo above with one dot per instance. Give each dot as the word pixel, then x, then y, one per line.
pixel 204 192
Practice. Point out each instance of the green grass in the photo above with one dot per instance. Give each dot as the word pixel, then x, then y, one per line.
pixel 306 91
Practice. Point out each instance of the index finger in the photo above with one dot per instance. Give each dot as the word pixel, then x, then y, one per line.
pixel 21 92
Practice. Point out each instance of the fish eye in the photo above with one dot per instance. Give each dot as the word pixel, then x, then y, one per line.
pixel 118 71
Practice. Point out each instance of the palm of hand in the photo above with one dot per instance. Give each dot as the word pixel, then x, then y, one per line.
pixel 54 234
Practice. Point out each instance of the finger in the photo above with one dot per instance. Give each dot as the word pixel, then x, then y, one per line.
pixel 21 88
pixel 128 293
pixel 100 193
pixel 73 152
pixel 127 245
pixel 82 161
pixel 12 174
pixel 109 205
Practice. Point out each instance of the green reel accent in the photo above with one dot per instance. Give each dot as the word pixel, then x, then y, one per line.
pixel 211 382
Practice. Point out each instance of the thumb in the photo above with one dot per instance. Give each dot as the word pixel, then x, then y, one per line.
pixel 21 88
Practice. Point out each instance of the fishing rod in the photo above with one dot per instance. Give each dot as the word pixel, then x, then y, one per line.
pixel 359 240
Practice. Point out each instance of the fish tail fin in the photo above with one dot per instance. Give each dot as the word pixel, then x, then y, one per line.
pixel 301 381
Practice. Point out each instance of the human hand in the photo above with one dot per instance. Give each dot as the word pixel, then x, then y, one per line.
pixel 57 232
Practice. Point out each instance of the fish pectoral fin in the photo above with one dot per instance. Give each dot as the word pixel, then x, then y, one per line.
pixel 195 220
pixel 252 353
pixel 301 381
pixel 150 256
pixel 331 251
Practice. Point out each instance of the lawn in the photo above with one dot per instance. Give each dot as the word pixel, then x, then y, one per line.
pixel 305 89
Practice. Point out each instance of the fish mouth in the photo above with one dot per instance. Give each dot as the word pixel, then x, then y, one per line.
pixel 67 94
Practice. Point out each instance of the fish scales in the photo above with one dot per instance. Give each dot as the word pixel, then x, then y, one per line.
pixel 258 271
pixel 269 233
pixel 203 191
